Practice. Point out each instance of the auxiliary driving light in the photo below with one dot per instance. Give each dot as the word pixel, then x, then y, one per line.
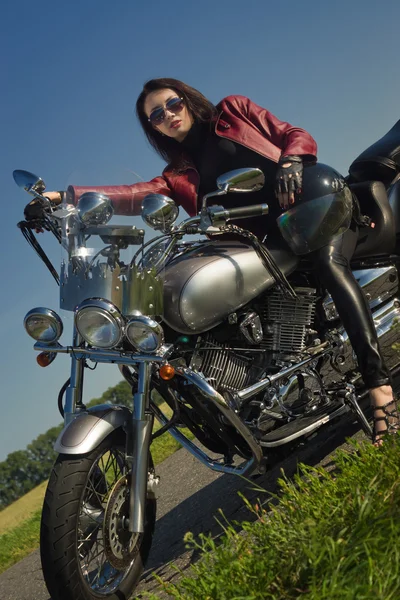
pixel 145 334
pixel 99 322
pixel 43 325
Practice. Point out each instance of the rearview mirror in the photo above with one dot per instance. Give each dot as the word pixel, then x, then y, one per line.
pixel 241 180
pixel 29 182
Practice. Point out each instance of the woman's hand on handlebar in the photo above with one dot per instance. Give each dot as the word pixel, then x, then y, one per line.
pixel 34 210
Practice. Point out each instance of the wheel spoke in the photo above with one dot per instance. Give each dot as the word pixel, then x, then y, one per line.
pixel 101 553
pixel 99 496
pixel 94 553
pixel 100 574
pixel 94 541
pixel 111 469
pixel 114 465
pixel 104 472
pixel 92 558
pixel 104 475
pixel 91 537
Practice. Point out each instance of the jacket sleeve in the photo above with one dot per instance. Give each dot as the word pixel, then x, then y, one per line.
pixel 126 199
pixel 290 139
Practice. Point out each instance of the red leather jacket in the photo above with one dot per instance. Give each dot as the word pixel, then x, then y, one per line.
pixel 239 120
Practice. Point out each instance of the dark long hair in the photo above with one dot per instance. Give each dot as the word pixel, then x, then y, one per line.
pixel 200 108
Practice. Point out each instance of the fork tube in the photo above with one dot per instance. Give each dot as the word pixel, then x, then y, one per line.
pixel 142 423
pixel 73 395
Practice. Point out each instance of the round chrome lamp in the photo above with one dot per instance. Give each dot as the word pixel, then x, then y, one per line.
pixel 145 334
pixel 94 208
pixel 159 212
pixel 43 325
pixel 100 323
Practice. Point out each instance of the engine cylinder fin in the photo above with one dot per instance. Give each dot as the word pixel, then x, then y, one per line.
pixel 225 369
pixel 286 321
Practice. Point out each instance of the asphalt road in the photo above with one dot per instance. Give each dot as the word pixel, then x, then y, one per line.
pixel 189 499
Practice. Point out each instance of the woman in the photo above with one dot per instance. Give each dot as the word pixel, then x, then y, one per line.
pixel 200 141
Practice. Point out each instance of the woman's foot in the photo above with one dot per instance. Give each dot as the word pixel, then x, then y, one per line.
pixel 386 414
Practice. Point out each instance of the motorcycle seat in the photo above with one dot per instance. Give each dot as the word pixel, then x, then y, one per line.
pixel 381 161
pixel 374 203
pixel 394 201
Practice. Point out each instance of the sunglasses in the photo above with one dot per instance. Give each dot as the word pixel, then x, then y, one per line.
pixel 174 105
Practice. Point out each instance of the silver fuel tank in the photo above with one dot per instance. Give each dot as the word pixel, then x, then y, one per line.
pixel 204 285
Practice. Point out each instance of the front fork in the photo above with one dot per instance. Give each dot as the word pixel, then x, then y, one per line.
pixel 138 438
pixel 73 394
pixel 139 445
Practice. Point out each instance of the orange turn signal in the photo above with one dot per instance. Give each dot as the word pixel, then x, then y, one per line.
pixel 44 359
pixel 167 372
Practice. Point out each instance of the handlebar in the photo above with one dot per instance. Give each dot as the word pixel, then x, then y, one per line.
pixel 218 215
pixel 242 212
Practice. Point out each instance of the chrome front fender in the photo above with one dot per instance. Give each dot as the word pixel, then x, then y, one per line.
pixel 88 429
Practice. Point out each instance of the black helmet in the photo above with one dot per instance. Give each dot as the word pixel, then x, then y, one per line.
pixel 322 212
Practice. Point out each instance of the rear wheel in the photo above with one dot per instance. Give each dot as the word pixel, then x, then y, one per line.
pixel 86 549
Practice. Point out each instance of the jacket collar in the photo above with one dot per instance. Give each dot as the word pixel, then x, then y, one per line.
pixel 218 122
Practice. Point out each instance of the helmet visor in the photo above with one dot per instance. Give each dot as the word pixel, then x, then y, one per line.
pixel 311 225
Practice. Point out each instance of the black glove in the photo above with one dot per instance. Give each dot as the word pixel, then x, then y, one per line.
pixel 289 179
pixel 37 208
pixel 34 210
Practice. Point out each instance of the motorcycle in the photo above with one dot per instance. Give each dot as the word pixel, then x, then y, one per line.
pixel 238 339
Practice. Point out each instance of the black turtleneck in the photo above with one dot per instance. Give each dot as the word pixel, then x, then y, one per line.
pixel 213 155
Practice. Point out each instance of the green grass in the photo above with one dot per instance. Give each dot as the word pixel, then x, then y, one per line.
pixel 20 541
pixel 19 535
pixel 329 536
pixel 164 446
pixel 22 509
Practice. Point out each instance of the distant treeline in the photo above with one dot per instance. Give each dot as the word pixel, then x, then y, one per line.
pixel 25 469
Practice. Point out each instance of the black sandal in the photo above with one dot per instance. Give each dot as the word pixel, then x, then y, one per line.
pixel 391 419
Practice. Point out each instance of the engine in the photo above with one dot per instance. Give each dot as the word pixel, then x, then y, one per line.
pixel 277 330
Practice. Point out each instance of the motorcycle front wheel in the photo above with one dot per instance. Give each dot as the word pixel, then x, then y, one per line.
pixel 86 549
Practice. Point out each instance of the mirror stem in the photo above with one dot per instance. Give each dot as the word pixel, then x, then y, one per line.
pixel 211 195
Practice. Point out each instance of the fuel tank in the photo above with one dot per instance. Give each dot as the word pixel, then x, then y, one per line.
pixel 204 285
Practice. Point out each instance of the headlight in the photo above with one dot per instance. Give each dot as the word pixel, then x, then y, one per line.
pixel 100 323
pixel 159 212
pixel 144 333
pixel 43 325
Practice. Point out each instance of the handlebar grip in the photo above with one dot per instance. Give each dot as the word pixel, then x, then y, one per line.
pixel 245 212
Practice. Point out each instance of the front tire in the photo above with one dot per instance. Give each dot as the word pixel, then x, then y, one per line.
pixel 86 550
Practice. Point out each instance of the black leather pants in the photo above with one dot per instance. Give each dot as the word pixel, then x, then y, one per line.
pixel 333 267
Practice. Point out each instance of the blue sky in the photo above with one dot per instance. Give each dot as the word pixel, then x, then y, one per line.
pixel 70 76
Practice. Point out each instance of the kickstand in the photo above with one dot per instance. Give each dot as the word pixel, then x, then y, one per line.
pixel 350 398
